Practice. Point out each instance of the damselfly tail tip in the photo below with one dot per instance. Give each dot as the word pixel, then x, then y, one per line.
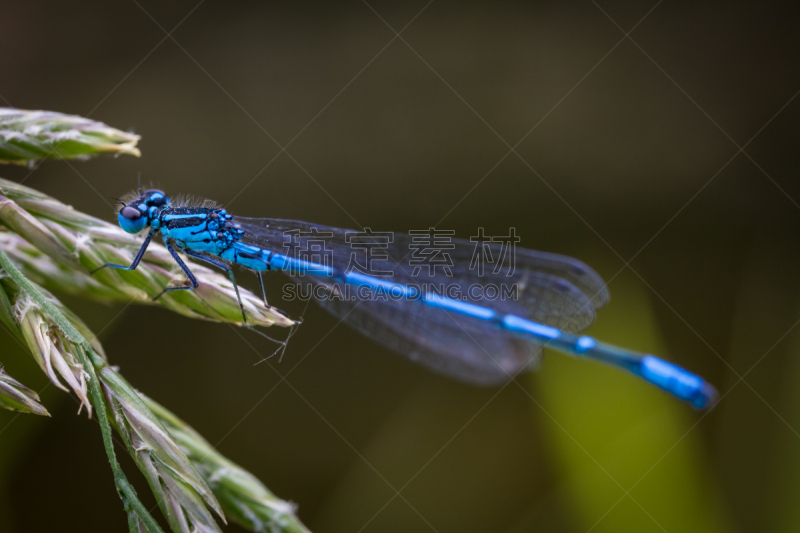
pixel 677 381
pixel 706 397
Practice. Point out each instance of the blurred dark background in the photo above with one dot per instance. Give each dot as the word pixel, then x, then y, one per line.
pixel 629 150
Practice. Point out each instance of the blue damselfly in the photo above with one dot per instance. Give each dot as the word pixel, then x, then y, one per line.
pixel 442 318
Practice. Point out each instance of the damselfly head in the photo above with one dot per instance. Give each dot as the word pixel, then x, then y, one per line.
pixel 135 214
pixel 132 219
pixel 154 198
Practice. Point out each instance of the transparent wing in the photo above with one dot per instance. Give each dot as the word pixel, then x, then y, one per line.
pixel 270 233
pixel 456 346
pixel 548 288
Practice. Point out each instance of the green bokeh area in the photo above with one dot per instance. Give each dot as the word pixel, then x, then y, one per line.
pixel 643 469
pixel 627 155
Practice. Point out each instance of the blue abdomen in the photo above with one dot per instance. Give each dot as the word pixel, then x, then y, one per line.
pixel 248 256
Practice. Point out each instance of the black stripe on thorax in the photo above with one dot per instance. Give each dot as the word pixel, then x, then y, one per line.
pixel 182 217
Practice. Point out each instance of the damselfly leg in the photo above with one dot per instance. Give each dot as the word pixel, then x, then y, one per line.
pixel 192 279
pixel 136 260
pixel 222 265
pixel 263 292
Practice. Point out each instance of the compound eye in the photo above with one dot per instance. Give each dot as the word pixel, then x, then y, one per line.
pixel 130 213
pixel 131 219
pixel 150 192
